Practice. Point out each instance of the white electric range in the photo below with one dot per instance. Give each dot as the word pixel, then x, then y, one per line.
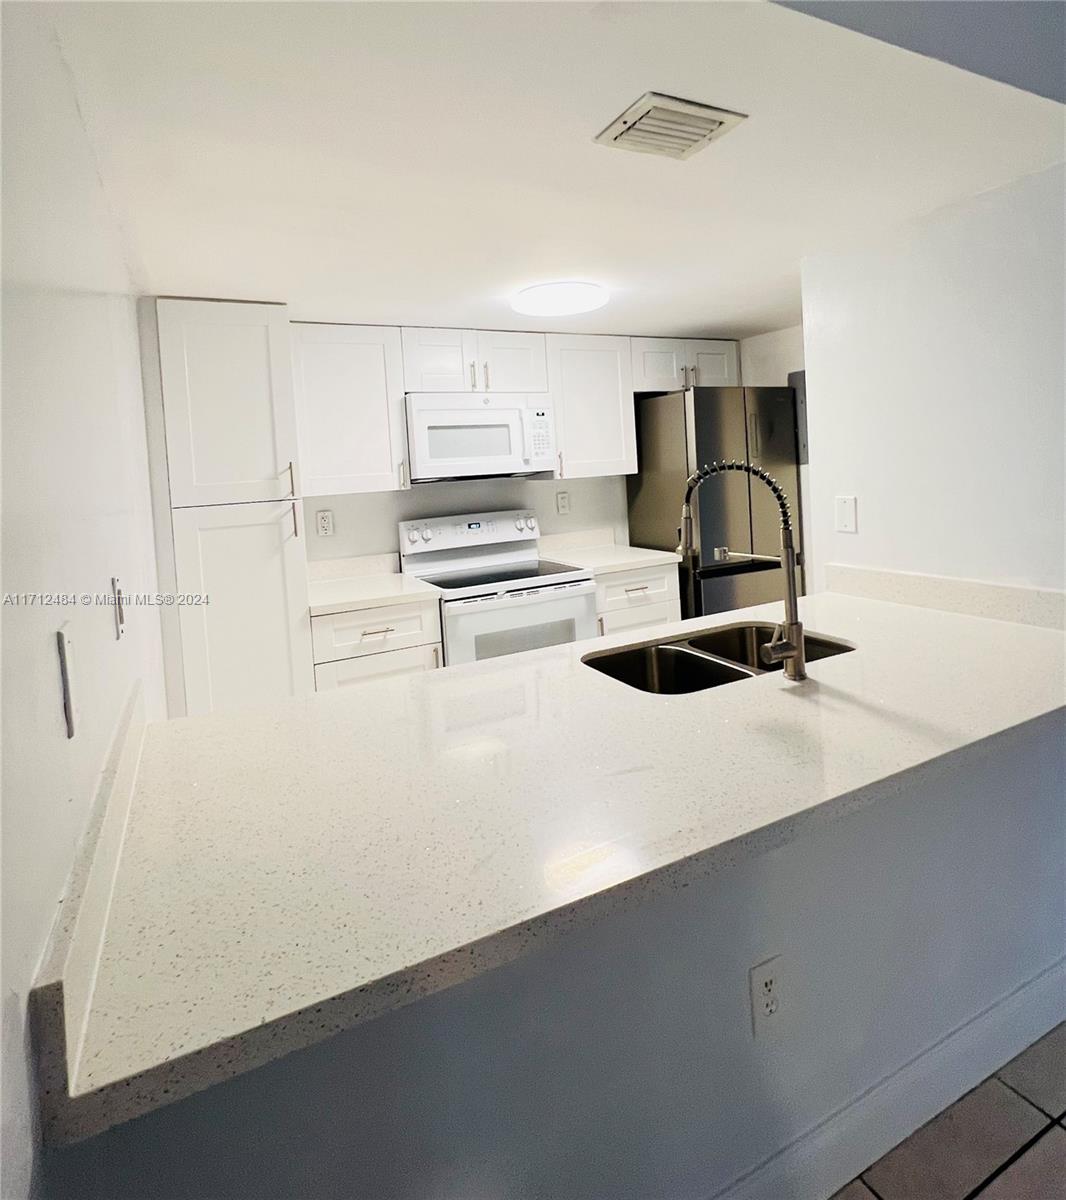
pixel 498 595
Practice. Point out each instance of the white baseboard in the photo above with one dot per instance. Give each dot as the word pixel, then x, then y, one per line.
pixel 824 1159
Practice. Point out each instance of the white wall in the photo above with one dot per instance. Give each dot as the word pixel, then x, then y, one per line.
pixel 75 512
pixel 367 524
pixel 935 391
pixel 767 358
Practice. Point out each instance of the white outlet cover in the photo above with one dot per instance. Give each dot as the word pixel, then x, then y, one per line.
pixel 764 984
pixel 562 503
pixel 845 514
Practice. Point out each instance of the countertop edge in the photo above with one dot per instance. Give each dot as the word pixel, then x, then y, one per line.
pixel 76 1118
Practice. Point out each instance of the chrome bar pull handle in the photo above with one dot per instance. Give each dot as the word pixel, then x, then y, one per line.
pixel 561 473
pixel 684 377
pixel 378 632
pixel 295 527
pixel 485 367
pixel 473 376
pixel 401 467
pixel 292 480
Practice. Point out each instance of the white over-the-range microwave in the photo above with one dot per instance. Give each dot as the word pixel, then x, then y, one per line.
pixel 457 435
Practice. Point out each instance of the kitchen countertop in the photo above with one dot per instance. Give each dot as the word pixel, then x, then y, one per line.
pixel 601 560
pixel 366 591
pixel 291 871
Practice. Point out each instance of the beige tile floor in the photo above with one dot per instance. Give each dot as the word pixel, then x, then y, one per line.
pixel 1005 1140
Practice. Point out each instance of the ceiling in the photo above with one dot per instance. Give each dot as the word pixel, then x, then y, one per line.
pixel 416 163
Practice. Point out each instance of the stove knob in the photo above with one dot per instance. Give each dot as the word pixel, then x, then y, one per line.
pixel 519 524
pixel 426 534
pixel 531 522
pixel 412 536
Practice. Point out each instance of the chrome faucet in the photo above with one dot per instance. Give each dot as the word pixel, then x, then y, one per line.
pixel 786 646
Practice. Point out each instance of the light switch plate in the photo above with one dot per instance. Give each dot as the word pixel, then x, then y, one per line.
pixel 845 513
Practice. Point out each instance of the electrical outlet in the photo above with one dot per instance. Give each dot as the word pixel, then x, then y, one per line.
pixel 562 503
pixel 846 516
pixel 324 522
pixel 765 988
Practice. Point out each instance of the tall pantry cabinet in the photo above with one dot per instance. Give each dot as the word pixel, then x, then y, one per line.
pixel 226 496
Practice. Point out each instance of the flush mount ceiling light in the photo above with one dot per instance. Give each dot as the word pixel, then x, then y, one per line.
pixel 562 299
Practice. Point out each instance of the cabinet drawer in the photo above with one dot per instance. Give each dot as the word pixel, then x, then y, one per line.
pixel 641 616
pixel 373 630
pixel 622 590
pixel 348 671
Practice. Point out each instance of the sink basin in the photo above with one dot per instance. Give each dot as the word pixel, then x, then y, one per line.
pixel 701 660
pixel 741 644
pixel 665 669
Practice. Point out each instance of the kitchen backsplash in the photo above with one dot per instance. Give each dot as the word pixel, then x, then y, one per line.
pixel 366 523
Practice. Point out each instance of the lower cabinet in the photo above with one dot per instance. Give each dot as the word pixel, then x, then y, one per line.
pixel 332 675
pixel 635 599
pixel 250 642
pixel 373 643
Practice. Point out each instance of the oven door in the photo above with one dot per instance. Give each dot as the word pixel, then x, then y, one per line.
pixel 488 626
pixel 454 435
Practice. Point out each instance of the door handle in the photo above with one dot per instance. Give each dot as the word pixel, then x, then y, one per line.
pixel 695 376
pixel 684 377
pixel 641 588
pixel 485 368
pixel 295 527
pixel 401 466
pixel 561 474
pixel 753 421
pixel 473 376
pixel 378 632
pixel 292 480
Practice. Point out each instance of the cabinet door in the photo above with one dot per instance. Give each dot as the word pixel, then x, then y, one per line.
pixel 251 644
pixel 658 364
pixel 226 374
pixel 712 364
pixel 439 360
pixel 332 676
pixel 622 591
pixel 349 405
pixel 511 362
pixel 592 402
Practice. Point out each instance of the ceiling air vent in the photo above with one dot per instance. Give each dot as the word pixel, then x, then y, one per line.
pixel 658 124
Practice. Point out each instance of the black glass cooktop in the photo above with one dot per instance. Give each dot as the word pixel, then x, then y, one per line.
pixel 461 579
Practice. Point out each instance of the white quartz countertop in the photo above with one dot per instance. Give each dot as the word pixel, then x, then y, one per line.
pixel 291 871
pixel 601 560
pixel 366 591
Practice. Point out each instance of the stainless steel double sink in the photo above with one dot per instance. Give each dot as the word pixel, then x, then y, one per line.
pixel 701 660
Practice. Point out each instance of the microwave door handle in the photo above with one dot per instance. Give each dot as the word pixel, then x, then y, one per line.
pixel 527 435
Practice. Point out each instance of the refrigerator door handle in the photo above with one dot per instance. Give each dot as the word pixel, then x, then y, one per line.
pixel 754 448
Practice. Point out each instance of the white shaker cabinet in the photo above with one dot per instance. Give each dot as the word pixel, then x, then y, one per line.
pixel 512 362
pixel 226 376
pixel 472 360
pixel 439 360
pixel 350 408
pixel 347 672
pixel 712 364
pixel 668 364
pixel 592 403
pixel 251 643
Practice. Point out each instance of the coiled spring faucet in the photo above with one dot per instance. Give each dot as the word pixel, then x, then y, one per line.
pixel 786 645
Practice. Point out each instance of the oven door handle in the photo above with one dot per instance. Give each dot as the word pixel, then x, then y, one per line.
pixel 557 591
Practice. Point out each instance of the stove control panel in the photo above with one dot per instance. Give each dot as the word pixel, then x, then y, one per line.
pixel 467 531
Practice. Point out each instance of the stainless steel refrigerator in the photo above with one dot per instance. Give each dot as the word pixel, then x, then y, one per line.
pixel 737 525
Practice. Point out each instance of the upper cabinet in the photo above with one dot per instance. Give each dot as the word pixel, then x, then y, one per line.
pixel 350 408
pixel 667 364
pixel 712 364
pixel 439 360
pixel 226 376
pixel 469 360
pixel 592 403
pixel 512 362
